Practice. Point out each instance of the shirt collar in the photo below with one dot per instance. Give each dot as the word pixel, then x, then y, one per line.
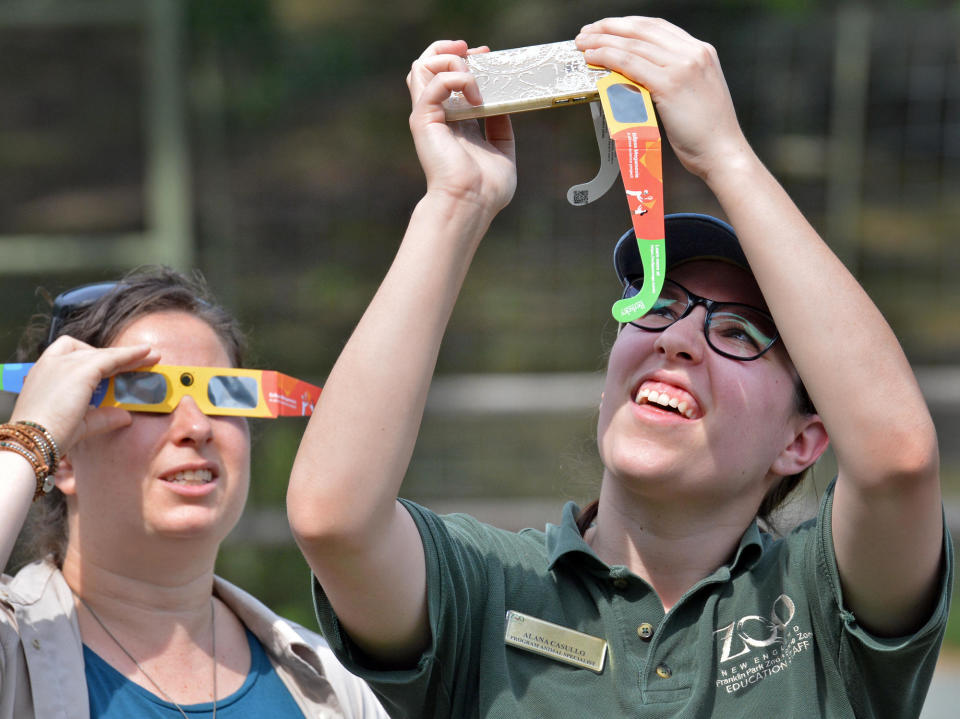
pixel 565 539
pixel 278 637
pixel 751 547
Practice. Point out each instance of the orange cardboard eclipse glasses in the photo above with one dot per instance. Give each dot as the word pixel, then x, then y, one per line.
pixel 222 391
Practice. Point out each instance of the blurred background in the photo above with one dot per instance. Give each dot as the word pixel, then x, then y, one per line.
pixel 265 142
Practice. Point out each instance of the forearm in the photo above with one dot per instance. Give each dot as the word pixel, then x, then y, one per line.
pixel 17 485
pixel 358 444
pixel 360 543
pixel 847 355
pixel 887 530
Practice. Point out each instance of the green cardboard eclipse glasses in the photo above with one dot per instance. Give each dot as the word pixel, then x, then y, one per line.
pixel 689 236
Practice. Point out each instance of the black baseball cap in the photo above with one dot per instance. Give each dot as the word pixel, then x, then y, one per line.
pixel 689 236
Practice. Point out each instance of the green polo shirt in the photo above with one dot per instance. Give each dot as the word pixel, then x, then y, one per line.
pixel 765 635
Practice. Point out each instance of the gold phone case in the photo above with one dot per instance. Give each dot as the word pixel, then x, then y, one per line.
pixel 527 78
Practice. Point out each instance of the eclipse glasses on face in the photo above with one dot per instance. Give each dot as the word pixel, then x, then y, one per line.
pixel 217 391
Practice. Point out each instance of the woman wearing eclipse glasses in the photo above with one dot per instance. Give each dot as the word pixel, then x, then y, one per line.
pixel 121 614
pixel 666 598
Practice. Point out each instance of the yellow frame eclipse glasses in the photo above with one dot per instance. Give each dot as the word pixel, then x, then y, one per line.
pixel 218 391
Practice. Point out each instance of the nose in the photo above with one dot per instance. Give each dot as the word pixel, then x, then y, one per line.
pixel 684 339
pixel 190 425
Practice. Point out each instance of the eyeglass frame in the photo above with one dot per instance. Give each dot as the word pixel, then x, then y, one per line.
pixel 278 394
pixel 710 307
pixel 77 298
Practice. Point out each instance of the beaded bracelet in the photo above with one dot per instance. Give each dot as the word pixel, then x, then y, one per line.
pixel 48 445
pixel 45 439
pixel 27 439
pixel 35 444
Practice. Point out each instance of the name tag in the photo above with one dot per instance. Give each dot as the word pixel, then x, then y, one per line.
pixel 554 641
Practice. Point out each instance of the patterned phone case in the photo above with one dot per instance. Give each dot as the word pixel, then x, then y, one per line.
pixel 527 78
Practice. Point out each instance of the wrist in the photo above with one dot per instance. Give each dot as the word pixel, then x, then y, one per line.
pixel 18 485
pixel 36 445
pixel 732 165
pixel 461 215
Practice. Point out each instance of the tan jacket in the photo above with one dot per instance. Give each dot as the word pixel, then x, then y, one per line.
pixel 41 663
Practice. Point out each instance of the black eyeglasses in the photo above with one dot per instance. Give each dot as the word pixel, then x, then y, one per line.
pixel 70 302
pixel 734 330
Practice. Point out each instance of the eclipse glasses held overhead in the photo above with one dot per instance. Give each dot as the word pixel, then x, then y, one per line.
pixel 557 75
pixel 218 391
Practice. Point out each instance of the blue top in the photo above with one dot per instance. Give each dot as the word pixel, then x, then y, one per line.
pixel 113 696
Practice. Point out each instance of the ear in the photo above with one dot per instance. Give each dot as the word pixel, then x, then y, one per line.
pixel 809 442
pixel 65 479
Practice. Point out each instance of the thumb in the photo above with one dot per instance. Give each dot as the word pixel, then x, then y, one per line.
pixel 105 419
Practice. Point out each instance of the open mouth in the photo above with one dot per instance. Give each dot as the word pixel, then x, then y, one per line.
pixel 191 477
pixel 668 399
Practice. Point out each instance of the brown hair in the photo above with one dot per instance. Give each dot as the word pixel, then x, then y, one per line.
pixel 141 292
pixel 775 498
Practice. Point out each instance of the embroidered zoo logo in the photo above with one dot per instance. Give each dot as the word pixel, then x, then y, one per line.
pixel 755 647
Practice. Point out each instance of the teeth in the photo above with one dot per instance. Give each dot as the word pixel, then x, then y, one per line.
pixel 664 400
pixel 198 476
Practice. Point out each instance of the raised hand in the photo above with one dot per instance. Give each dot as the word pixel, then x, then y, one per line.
pixel 56 393
pixel 459 159
pixel 685 80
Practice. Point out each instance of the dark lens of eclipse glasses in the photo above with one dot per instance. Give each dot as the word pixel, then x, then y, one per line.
pixel 234 392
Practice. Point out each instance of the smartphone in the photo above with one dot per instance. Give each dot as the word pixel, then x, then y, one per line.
pixel 527 78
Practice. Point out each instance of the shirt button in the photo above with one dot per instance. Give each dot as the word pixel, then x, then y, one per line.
pixel 663 671
pixel 645 631
pixel 620 583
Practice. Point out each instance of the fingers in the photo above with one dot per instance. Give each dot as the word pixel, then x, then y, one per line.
pixel 685 80
pixel 57 390
pixel 651 29
pixel 444 47
pixel 72 358
pixel 499 131
pixel 67 345
pixel 442 75
pixel 433 78
pixel 64 344
pixel 453 48
pixel 100 420
pixel 459 159
pixel 650 51
pixel 119 359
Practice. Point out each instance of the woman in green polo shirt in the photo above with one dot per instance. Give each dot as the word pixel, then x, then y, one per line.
pixel 667 599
